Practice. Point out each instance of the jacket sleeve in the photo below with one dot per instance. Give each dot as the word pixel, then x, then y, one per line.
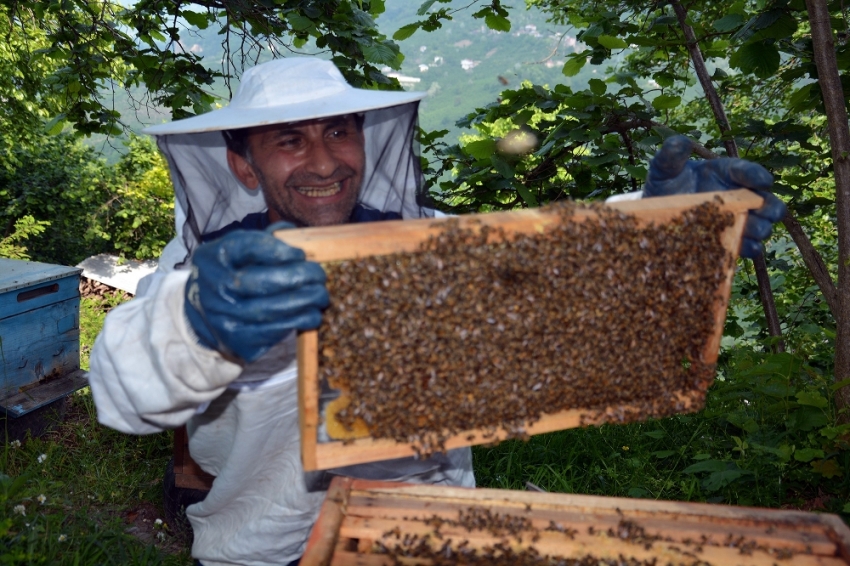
pixel 148 372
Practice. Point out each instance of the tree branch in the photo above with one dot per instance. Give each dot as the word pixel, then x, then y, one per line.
pixel 765 292
pixel 704 78
pixel 814 262
pixel 829 80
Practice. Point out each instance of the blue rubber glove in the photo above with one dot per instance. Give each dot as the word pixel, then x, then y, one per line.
pixel 672 172
pixel 248 290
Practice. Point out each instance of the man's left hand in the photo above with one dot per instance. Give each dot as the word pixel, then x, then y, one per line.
pixel 672 172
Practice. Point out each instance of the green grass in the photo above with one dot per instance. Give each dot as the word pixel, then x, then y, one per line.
pixel 84 494
pixel 768 437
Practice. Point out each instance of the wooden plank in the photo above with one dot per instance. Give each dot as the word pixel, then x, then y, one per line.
pixel 187 473
pixel 840 533
pixel 325 532
pixel 349 241
pixel 355 559
pixel 587 503
pixel 335 454
pixel 599 544
pixel 308 397
pixel 672 532
pixel 28 285
pixel 39 345
pixel 39 394
pixel 678 530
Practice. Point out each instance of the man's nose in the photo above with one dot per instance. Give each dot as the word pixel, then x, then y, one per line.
pixel 322 160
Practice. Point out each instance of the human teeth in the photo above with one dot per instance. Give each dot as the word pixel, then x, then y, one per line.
pixel 316 192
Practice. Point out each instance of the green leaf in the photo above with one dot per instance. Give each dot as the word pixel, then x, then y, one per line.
pixel 812 399
pixel 597 86
pixel 481 149
pixel 526 195
pixel 299 22
pixel 846 508
pixel 656 434
pixel 783 452
pixel 405 31
pixel 666 101
pixel 637 171
pixel 574 65
pixel 807 454
pixel 497 23
pixel 806 418
pixel 759 58
pixel 839 384
pixel 705 466
pixel 663 453
pixel 377 7
pixel 611 42
pixel 663 79
pixel 728 23
pixel 720 479
pixel 380 53
pixel 423 9
pixel 55 125
pixel 503 167
pixel 200 21
pixel 784 27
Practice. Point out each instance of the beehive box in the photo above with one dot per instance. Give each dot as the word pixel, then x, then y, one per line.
pixel 381 523
pixel 39 334
pixel 643 242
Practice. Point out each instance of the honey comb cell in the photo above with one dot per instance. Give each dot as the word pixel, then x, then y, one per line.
pixel 485 330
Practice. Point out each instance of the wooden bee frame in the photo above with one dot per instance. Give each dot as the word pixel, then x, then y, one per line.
pixel 360 517
pixel 335 243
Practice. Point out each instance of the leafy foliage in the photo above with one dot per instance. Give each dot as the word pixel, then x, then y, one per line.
pixel 12 246
pixel 84 207
pixel 90 47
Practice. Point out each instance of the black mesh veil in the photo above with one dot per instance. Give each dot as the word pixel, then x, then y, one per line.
pixel 208 196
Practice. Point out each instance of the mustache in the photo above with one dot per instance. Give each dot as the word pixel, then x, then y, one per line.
pixel 303 179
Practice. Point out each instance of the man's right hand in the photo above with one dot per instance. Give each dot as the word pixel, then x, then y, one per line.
pixel 248 290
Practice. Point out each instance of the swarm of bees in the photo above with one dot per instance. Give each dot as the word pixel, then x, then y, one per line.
pixel 481 330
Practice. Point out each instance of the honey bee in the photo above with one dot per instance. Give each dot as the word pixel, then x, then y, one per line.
pixel 483 332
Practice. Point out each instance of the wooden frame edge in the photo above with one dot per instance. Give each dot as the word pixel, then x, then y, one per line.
pixel 326 455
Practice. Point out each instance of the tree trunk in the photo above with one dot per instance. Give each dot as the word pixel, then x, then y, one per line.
pixel 765 292
pixel 823 45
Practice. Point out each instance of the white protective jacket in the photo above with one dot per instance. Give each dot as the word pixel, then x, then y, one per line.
pixel 148 372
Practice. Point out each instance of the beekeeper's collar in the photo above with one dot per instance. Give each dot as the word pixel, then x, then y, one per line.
pixel 208 195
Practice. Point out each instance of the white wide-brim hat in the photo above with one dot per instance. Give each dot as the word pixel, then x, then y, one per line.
pixel 287 90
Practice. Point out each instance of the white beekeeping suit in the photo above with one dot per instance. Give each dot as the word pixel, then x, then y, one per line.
pixel 149 373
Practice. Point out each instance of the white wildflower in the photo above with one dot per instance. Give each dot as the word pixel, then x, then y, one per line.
pixel 15 443
pixel 42 458
pixel 62 538
pixel 157 522
pixel 160 535
pixel 41 498
pixel 20 510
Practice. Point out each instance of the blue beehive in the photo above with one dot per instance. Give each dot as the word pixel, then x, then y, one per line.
pixel 39 334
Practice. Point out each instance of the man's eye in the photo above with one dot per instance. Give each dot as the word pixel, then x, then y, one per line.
pixel 289 142
pixel 339 134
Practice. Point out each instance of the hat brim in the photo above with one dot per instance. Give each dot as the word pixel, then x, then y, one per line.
pixel 228 118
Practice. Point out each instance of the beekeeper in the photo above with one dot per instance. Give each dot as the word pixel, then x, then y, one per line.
pixel 209 340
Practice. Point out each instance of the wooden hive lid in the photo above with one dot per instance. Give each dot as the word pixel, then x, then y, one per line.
pixel 17 274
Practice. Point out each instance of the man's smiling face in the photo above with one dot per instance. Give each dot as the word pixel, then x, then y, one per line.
pixel 310 172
